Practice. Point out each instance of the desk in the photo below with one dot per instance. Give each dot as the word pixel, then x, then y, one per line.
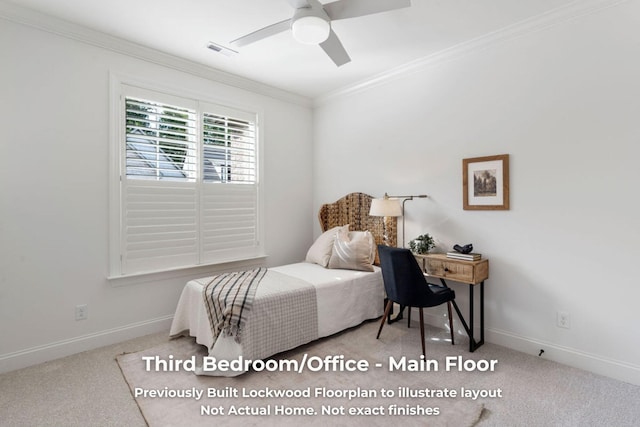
pixel 471 272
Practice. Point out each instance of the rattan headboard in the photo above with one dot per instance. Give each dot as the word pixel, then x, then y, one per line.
pixel 353 209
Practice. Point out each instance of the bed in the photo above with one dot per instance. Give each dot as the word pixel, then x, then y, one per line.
pixel 332 290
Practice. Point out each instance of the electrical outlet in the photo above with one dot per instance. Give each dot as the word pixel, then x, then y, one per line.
pixel 81 312
pixel 564 320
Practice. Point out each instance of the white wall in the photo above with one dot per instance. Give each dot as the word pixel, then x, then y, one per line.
pixel 54 121
pixel 564 103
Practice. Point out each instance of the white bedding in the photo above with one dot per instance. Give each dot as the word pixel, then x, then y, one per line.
pixel 345 298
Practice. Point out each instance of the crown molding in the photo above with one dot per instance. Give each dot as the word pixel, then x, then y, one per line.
pixel 573 10
pixel 41 21
pixel 53 25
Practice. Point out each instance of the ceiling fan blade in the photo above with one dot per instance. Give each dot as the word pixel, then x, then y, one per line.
pixel 333 47
pixel 343 9
pixel 262 33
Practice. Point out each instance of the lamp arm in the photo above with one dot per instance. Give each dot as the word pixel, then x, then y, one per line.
pixel 404 199
pixel 421 196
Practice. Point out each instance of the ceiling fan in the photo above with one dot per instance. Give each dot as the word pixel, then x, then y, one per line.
pixel 311 23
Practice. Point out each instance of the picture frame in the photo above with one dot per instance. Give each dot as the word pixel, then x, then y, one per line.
pixel 485 183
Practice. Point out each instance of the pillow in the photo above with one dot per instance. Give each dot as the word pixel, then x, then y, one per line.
pixel 320 252
pixel 353 250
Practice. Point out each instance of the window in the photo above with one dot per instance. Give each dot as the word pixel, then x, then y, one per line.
pixel 187 183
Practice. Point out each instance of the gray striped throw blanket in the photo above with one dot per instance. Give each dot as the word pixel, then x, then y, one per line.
pixel 228 298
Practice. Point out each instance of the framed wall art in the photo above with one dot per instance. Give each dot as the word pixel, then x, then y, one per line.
pixel 485 183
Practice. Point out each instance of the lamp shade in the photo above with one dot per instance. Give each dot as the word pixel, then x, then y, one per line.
pixel 385 207
pixel 310 29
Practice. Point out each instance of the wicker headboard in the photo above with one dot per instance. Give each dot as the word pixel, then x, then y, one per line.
pixel 353 209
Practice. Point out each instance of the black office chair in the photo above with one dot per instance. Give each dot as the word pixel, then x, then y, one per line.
pixel 406 285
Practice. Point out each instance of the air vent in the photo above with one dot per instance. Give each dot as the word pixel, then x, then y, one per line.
pixel 221 49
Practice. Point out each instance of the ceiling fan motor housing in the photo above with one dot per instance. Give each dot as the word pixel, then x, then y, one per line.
pixel 310 25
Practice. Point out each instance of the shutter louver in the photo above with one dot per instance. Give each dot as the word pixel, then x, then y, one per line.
pixel 229 152
pixel 160 225
pixel 229 221
pixel 160 141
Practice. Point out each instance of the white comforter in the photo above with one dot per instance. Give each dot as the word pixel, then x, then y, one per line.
pixel 345 298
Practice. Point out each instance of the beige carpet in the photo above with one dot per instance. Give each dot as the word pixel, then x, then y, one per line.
pixel 357 343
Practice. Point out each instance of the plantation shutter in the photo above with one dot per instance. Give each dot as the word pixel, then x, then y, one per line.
pixel 230 188
pixel 159 194
pixel 189 183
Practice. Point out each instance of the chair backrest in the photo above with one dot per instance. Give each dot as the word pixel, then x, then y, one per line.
pixel 403 279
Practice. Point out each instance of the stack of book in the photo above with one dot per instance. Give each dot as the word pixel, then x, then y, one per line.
pixel 467 257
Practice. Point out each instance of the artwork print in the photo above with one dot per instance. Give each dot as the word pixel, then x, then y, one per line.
pixel 485 183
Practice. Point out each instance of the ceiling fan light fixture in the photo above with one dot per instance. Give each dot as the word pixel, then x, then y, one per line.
pixel 310 29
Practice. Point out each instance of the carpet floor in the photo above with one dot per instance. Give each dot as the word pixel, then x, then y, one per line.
pixel 370 398
pixel 88 388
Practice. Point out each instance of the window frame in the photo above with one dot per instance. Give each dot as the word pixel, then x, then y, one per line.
pixel 120 86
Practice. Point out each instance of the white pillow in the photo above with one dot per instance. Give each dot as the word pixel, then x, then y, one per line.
pixel 353 250
pixel 320 252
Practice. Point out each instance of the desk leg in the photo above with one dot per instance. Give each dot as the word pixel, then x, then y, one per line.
pixel 473 344
pixel 399 316
pixel 481 314
pixel 472 341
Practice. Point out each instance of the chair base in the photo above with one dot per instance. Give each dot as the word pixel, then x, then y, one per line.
pixel 387 312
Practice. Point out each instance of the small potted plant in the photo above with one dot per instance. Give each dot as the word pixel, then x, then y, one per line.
pixel 422 244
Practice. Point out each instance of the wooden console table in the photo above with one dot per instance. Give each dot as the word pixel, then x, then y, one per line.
pixel 471 272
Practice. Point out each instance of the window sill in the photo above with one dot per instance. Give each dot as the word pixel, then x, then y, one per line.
pixel 187 271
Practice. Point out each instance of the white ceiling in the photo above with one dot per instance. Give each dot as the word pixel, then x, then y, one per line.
pixel 376 43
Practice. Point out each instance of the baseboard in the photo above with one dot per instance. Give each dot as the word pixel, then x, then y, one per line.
pixel 35 355
pixel 611 368
pixel 616 369
pixel 607 367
